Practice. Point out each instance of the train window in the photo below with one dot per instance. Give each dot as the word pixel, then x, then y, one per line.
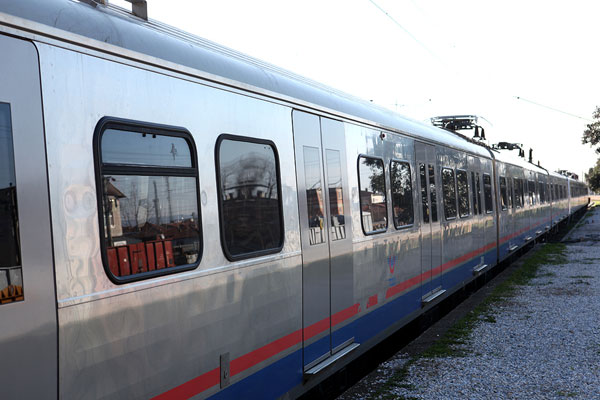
pixel 373 203
pixel 511 193
pixel 249 192
pixel 487 193
pixel 449 190
pixel 11 277
pixel 476 195
pixel 542 187
pixel 503 194
pixel 531 190
pixel 424 199
pixel 462 185
pixel 148 199
pixel 336 198
pixel 314 195
pixel 522 192
pixel 402 198
pixel 479 193
pixel 433 194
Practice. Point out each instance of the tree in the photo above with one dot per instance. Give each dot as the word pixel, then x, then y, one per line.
pixel 593 177
pixel 592 134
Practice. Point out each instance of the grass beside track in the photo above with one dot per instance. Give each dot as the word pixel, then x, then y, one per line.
pixel 453 342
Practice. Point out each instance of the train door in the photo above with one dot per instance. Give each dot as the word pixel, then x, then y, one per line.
pixel 431 244
pixel 28 342
pixel 327 267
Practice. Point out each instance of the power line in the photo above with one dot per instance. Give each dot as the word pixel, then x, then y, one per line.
pixel 552 108
pixel 413 37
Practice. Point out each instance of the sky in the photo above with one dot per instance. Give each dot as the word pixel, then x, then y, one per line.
pixel 528 67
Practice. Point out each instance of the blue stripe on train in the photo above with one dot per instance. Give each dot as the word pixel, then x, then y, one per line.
pixel 283 375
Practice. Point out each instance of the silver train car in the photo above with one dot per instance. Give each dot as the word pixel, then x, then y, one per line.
pixel 179 220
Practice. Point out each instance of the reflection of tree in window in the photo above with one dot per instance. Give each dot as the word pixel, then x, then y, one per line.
pixel 449 191
pixel 402 200
pixel 372 194
pixel 462 183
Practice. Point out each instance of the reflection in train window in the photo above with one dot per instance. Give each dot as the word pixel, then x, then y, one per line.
pixel 433 194
pixel 149 201
pixel 449 190
pixel 503 194
pixel 336 198
pixel 462 185
pixel 402 194
pixel 249 197
pixel 314 195
pixel 424 198
pixel 487 193
pixel 11 279
pixel 373 203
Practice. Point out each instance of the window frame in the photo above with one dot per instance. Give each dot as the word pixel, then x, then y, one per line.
pixel 248 139
pixel 387 222
pixel 398 161
pixel 100 169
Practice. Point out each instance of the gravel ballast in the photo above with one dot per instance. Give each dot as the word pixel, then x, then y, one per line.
pixel 541 343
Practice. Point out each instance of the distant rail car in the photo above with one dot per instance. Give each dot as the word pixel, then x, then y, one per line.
pixel 180 220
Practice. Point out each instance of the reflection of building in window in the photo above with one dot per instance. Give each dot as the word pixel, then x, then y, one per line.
pixel 372 194
pixel 114 213
pixel 249 192
pixel 149 201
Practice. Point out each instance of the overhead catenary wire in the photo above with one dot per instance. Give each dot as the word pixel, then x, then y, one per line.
pixel 413 37
pixel 552 108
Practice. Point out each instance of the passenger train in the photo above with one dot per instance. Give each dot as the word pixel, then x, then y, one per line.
pixel 180 220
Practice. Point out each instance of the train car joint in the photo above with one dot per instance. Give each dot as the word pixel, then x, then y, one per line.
pixel 432 296
pixel 330 360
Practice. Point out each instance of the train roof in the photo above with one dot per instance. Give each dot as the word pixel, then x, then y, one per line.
pixel 115 26
pixel 512 157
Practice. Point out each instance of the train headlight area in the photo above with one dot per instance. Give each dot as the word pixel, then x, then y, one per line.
pixel 180 220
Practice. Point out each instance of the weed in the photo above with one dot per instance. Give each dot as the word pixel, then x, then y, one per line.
pixel 453 342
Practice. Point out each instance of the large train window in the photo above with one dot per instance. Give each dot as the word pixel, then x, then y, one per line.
pixel 462 185
pixel 373 203
pixel 11 277
pixel 402 194
pixel 147 179
pixel 503 194
pixel 487 193
pixel 249 191
pixel 449 190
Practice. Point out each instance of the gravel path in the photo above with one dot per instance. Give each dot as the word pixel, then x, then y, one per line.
pixel 544 343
